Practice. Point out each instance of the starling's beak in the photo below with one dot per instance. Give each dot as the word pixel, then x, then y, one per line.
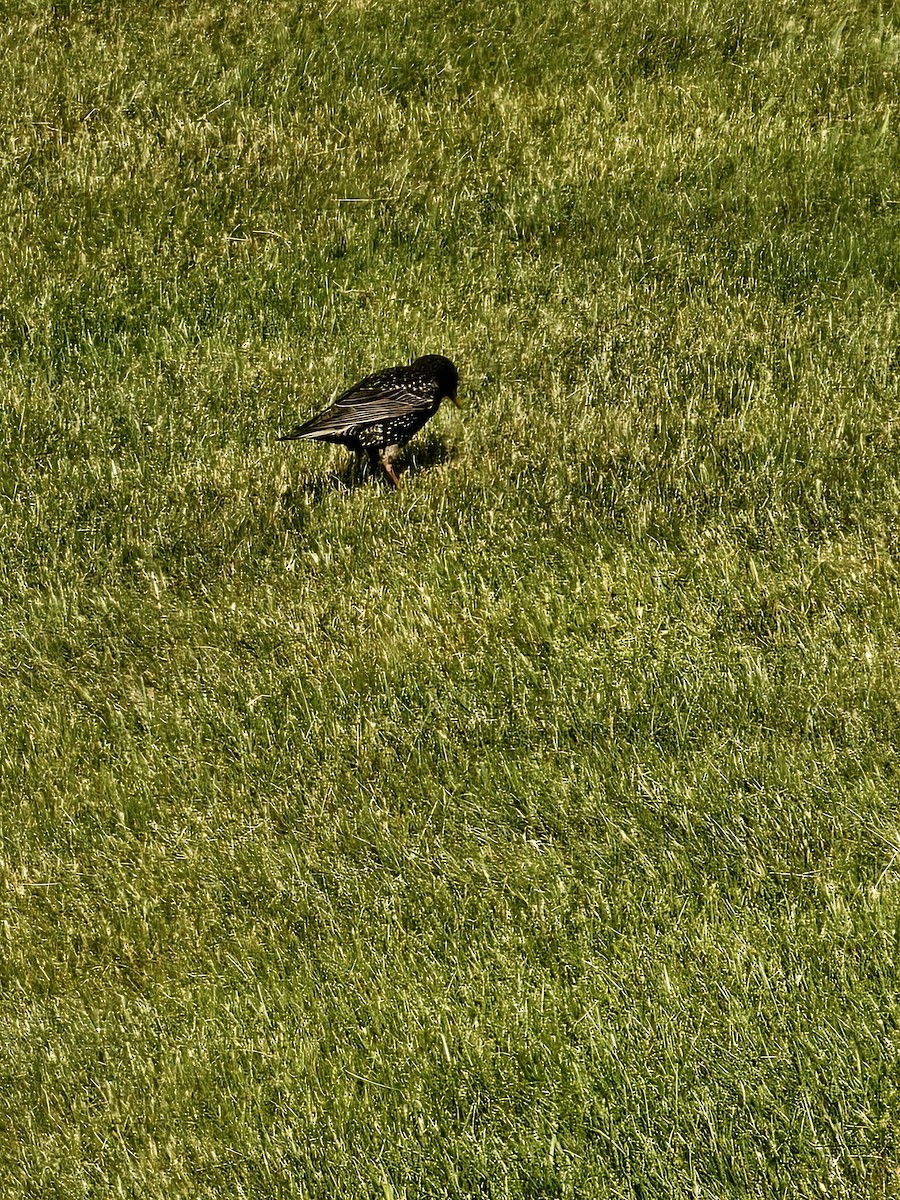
pixel 455 400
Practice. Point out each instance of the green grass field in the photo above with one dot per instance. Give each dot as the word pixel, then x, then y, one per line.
pixel 532 831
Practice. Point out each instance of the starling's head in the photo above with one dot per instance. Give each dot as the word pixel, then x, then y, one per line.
pixel 443 372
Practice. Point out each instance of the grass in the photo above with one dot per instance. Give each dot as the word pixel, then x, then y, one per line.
pixel 530 832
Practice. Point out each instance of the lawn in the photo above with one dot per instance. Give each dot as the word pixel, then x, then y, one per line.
pixel 532 831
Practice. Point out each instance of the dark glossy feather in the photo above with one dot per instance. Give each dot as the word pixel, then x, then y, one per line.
pixel 384 409
pixel 376 399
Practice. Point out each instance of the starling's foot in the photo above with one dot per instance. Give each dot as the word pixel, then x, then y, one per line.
pixel 390 472
pixel 387 458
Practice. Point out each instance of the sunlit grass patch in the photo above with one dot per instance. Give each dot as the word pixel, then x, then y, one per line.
pixel 530 831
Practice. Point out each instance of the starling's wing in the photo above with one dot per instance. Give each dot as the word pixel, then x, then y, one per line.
pixel 380 397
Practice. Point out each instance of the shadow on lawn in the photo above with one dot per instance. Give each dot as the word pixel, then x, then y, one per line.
pixel 356 472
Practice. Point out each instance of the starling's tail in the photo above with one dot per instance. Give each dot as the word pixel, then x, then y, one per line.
pixel 328 426
pixel 306 430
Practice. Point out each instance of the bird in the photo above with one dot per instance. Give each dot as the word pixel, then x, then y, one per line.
pixel 384 410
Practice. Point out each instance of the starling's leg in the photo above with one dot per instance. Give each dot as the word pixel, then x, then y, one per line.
pixel 386 458
pixel 372 461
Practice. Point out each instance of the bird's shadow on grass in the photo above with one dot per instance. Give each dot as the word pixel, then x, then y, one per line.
pixel 356 472
pixel 421 456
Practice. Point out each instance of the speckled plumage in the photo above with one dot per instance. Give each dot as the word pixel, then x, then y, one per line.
pixel 384 410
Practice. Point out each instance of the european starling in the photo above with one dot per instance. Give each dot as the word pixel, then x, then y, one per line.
pixel 384 410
